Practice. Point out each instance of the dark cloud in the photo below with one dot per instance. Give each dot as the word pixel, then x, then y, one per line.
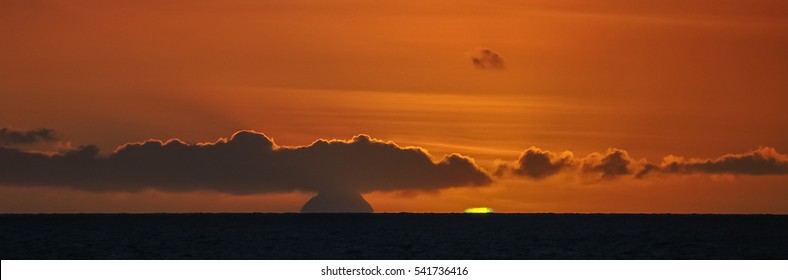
pixel 647 168
pixel 487 59
pixel 9 136
pixel 537 164
pixel 249 162
pixel 762 161
pixel 614 163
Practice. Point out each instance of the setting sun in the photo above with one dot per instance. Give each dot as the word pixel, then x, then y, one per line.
pixel 405 106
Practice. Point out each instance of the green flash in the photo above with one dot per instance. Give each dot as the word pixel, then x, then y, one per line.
pixel 478 210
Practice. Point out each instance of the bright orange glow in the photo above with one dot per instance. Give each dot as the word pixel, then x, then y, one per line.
pixel 656 78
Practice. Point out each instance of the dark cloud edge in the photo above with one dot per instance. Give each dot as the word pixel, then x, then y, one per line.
pixel 12 137
pixel 537 164
pixel 246 163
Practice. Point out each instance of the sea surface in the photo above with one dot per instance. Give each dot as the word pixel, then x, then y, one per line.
pixel 392 236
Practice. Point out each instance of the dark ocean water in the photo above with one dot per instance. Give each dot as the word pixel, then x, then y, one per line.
pixel 393 236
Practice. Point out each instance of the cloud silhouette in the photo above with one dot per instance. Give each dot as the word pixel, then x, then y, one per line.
pixel 612 164
pixel 249 162
pixel 9 136
pixel 487 59
pixel 537 164
pixel 647 168
pixel 761 161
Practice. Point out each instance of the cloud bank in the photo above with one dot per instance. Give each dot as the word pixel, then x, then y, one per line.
pixel 10 136
pixel 249 162
pixel 538 164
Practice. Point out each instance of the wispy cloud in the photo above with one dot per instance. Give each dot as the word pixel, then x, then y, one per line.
pixel 10 136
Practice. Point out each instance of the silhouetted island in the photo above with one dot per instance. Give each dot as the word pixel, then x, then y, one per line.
pixel 337 202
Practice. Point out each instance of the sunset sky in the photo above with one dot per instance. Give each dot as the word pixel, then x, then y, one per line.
pixel 624 86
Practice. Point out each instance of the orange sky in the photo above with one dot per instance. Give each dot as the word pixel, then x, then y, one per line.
pixel 698 79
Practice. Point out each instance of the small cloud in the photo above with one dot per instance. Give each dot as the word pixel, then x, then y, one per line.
pixel 537 164
pixel 10 136
pixel 614 163
pixel 487 59
pixel 647 168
